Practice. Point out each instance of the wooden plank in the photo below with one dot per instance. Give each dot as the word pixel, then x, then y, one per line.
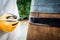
pixel 45 15
pixel 38 32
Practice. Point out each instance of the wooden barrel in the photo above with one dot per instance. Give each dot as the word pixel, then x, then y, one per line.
pixel 44 21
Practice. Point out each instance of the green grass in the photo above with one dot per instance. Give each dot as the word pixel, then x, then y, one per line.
pixel 24 8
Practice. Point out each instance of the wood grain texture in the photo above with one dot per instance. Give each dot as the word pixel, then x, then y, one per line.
pixel 41 32
pixel 44 15
pixel 38 32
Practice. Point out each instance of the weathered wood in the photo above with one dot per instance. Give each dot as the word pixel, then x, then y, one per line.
pixel 44 15
pixel 48 6
pixel 44 9
pixel 37 32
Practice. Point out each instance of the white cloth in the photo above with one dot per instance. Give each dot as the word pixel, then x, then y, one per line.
pixel 10 6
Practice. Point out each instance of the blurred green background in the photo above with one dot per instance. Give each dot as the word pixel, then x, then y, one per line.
pixel 24 8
